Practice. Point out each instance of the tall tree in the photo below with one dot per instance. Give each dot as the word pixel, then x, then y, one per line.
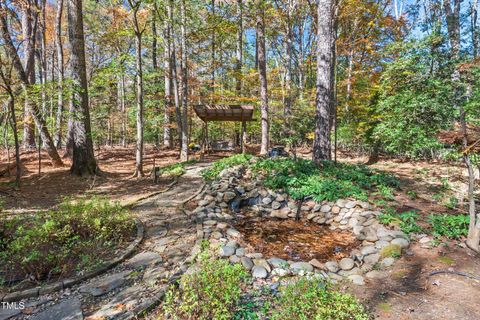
pixel 60 74
pixel 138 29
pixel 262 66
pixel 183 44
pixel 167 136
pixel 239 47
pixel 24 74
pixel 29 34
pixel 83 161
pixel 324 99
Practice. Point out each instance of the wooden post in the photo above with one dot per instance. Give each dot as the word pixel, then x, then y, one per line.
pixel 205 138
pixel 244 137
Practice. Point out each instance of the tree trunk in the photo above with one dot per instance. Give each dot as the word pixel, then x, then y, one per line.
pixel 452 15
pixel 155 71
pixel 173 68
pixel 60 74
pixel 167 137
pixel 325 81
pixel 213 49
pixel 139 96
pixel 289 57
pixel 262 66
pixel 83 161
pixel 239 53
pixel 29 30
pixel 475 30
pixel 13 123
pixel 184 149
pixel 123 109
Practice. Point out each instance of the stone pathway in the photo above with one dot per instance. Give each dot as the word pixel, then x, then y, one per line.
pixel 129 288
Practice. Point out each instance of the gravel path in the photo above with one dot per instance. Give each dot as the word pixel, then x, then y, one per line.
pixel 132 286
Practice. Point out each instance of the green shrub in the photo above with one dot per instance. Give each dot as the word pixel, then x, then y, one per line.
pixel 328 181
pixel 60 241
pixel 313 300
pixel 176 169
pixel 212 292
pixel 450 226
pixel 213 172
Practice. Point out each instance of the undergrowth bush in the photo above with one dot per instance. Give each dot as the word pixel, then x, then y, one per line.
pixel 450 226
pixel 328 181
pixel 60 241
pixel 313 300
pixel 211 292
pixel 407 221
pixel 176 169
pixel 213 172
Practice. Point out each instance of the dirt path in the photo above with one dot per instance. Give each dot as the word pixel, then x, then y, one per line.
pixel 129 288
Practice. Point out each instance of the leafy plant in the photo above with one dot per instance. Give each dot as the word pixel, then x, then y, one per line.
pixel 451 203
pixel 328 181
pixel 313 299
pixel 412 194
pixel 450 226
pixel 59 241
pixel 408 222
pixel 213 172
pixel 176 169
pixel 212 292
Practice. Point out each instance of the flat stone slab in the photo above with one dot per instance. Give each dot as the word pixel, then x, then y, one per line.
pixel 143 259
pixel 105 285
pixel 66 310
pixel 7 313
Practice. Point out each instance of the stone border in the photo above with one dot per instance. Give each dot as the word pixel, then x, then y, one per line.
pixel 69 282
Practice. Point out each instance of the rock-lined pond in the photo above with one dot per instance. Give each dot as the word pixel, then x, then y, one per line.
pixel 273 235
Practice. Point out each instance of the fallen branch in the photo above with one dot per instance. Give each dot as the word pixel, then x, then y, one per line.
pixel 458 273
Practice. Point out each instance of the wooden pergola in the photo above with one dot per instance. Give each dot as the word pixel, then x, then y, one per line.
pixel 236 113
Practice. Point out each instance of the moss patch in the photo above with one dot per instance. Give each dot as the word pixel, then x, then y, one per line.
pixel 392 250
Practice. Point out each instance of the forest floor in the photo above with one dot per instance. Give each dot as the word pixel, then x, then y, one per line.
pixel 408 293
pixel 47 189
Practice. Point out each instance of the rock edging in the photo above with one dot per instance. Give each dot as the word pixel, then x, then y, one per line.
pixel 69 282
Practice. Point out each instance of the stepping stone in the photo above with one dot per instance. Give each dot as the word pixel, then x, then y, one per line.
pixel 9 313
pixel 346 264
pixel 143 259
pixel 121 303
pixel 66 310
pixel 105 285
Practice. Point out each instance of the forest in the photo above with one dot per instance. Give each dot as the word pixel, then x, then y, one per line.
pixel 239 159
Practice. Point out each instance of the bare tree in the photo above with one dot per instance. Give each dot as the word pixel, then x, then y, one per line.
pixel 325 80
pixel 138 30
pixel 83 161
pixel 262 66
